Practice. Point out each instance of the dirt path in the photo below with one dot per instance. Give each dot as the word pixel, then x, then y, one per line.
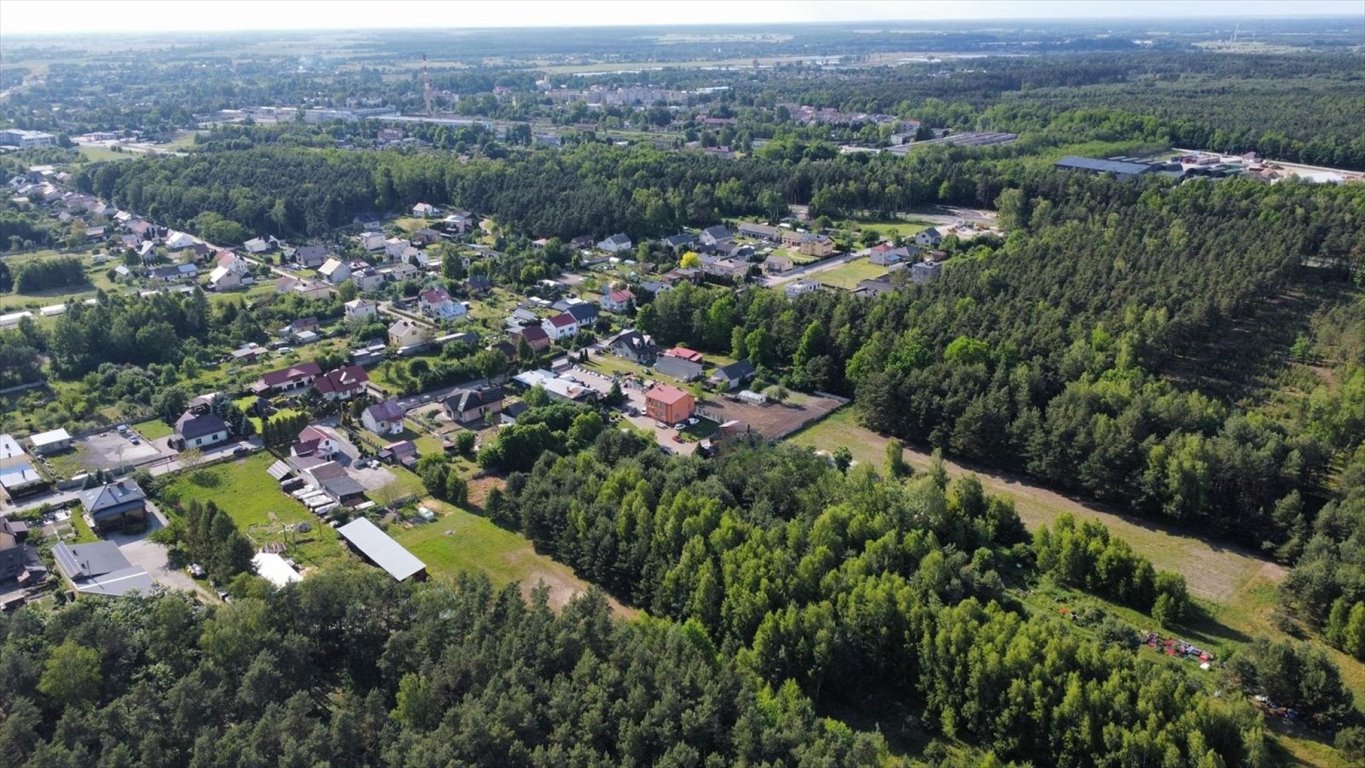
pixel 1214 571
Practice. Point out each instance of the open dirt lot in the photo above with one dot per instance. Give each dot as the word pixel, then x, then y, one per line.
pixel 107 450
pixel 772 420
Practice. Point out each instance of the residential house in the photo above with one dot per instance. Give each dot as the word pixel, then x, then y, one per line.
pixel 247 353
pixel 99 568
pixel 581 242
pixel 655 287
pixel 617 243
pixel 790 237
pixel 924 271
pixel 561 326
pixel 426 236
pixel 50 442
pixel 760 231
pixel 402 452
pixel 384 418
pixel 224 279
pixel 173 273
pixel 726 269
pixel 465 406
pixel 332 479
pixel 176 241
pixel 669 405
pixel 13 555
pixel 928 238
pixel 800 287
pixel 366 278
pixel 424 210
pixel 634 346
pixel 871 289
pixel 309 256
pixel 199 428
pixel 460 222
pixel 361 309
pixel 395 246
pixel 437 304
pixel 777 264
pixel 147 252
pixel 201 251
pixel 585 312
pixel 131 242
pixel 512 411
pixel 886 254
pixel 401 271
pixel 287 380
pixel 299 326
pixel 716 234
pixel 477 285
pixel 232 262
pixel 619 301
pixel 342 383
pixel 678 368
pixel 819 246
pixel 535 336
pixel 732 375
pixel 113 505
pixel 372 241
pixel 678 242
pixel 316 441
pixel 408 333
pixel 257 245
pixel 683 353
pixel 18 477
pixel 335 271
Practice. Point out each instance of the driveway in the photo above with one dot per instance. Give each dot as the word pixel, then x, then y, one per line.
pixel 814 268
pixel 634 397
pixel 152 557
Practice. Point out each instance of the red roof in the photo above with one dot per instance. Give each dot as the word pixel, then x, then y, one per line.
pixel 435 295
pixel 562 320
pixel 294 373
pixel 621 297
pixel 666 394
pixel 534 333
pixel 343 380
pixel 684 353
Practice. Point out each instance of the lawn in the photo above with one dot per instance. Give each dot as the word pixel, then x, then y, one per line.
pixel 885 227
pixel 153 429
pixel 848 275
pixel 254 502
pixel 97 154
pixel 459 541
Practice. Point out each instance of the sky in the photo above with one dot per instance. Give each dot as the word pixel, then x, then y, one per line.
pixel 25 17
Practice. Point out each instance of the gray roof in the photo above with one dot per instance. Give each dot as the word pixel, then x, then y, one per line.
pixel 100 568
pixel 678 368
pixel 717 232
pixel 191 426
pixel 380 549
pixel 112 495
pixel 583 311
pixel 1103 166
pixel 735 371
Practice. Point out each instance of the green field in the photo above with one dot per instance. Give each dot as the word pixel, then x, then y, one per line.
pixel 847 276
pixel 153 429
pixel 98 154
pixel 254 501
pixel 885 227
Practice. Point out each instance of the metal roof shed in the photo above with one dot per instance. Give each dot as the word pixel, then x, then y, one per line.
pixel 379 548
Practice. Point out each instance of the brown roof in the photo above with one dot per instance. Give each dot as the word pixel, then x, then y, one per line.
pixel 285 375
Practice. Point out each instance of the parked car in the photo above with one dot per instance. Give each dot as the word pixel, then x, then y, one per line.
pixel 680 425
pixel 240 450
pixel 197 571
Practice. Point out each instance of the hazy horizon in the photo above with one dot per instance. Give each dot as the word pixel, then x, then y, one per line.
pixel 22 18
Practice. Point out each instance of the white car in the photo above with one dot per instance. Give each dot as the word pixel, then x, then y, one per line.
pixel 680 425
pixel 693 421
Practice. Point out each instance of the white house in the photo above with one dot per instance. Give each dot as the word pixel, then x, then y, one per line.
pixel 384 418
pixel 437 304
pixel 256 245
pixel 372 241
pixel 617 243
pixel 224 279
pixel 618 301
pixel 561 326
pixel 198 430
pixel 800 287
pixel 315 441
pixel 928 237
pixel 424 210
pixel 393 247
pixel 360 309
pixel 335 271
pixel 406 333
pixel 178 240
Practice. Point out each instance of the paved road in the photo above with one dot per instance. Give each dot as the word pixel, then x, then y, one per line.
pixel 774 281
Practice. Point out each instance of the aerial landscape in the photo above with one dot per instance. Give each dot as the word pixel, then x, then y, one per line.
pixel 682 384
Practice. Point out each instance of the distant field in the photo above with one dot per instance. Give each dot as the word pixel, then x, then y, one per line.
pixel 887 227
pixel 253 500
pixel 97 154
pixel 848 275
pixel 460 541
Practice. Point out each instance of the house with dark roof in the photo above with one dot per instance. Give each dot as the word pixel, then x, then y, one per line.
pixel 99 568
pixel 760 231
pixel 384 418
pixel 287 380
pixel 871 289
pixel 332 479
pixel 617 243
pixel 465 406
pixel 343 383
pixel 634 346
pixel 927 238
pixel 13 555
pixel 678 242
pixel 478 284
pixel 924 271
pixel 732 375
pixel 716 234
pixel 678 368
pixel 584 313
pixel 199 428
pixel 112 506
pixel 535 336
pixel 309 256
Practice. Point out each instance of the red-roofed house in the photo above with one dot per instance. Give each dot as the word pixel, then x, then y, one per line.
pixel 287 380
pixel 690 355
pixel 669 404
pixel 618 301
pixel 384 418
pixel 436 303
pixel 316 441
pixel 561 326
pixel 343 383
pixel 535 336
